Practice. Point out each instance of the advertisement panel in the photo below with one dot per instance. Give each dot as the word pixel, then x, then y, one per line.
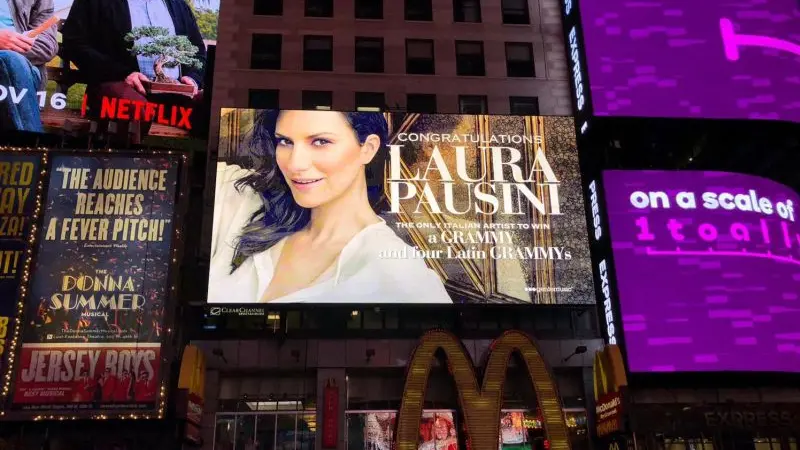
pixel 88 377
pixel 71 61
pixel 719 253
pixel 367 207
pixel 19 179
pixel 100 284
pixel 610 381
pixel 687 59
pixel 437 430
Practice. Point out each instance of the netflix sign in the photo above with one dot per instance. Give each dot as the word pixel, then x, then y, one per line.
pixel 88 377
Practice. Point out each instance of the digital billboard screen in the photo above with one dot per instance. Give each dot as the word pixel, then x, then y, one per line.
pixel 369 207
pixel 707 268
pixel 688 59
pixel 100 286
pixel 68 62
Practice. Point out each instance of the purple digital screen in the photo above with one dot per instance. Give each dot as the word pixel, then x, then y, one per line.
pixel 722 59
pixel 707 269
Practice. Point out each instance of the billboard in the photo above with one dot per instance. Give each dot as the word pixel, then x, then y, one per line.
pixel 367 207
pixel 706 270
pixel 100 285
pixel 19 180
pixel 68 62
pixel 686 59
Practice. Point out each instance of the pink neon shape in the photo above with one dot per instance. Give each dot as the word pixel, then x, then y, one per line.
pixel 767 255
pixel 732 41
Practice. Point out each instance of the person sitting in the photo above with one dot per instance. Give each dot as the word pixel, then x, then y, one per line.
pixel 22 61
pixel 94 39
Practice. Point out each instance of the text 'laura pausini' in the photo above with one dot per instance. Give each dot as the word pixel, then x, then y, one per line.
pixel 504 188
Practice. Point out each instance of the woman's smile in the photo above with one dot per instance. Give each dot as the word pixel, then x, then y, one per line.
pixel 304 184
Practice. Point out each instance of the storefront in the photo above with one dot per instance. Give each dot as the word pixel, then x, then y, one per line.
pixel 635 417
pixel 361 406
pixel 756 426
pixel 282 425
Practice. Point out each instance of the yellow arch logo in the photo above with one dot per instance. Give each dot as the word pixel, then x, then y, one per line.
pixel 193 371
pixel 608 372
pixel 480 403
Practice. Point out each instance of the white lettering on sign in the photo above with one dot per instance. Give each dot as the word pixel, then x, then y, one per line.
pixel 577 76
pixel 598 230
pixel 609 312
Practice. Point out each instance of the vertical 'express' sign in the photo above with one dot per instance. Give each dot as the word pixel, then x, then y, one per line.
pixel 573 35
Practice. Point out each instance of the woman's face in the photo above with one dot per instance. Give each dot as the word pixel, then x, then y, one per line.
pixel 319 155
pixel 441 429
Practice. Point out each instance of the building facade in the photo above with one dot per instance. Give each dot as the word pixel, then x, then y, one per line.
pixel 448 56
pixel 267 381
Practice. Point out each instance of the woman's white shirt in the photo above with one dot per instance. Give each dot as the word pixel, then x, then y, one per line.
pixel 360 275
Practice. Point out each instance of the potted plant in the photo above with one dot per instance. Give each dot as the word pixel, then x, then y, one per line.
pixel 169 51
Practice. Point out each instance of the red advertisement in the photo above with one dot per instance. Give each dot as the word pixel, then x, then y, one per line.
pixel 330 416
pixel 87 376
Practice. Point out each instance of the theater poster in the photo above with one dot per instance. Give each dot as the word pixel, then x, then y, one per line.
pixel 397 208
pixel 95 313
pixel 19 178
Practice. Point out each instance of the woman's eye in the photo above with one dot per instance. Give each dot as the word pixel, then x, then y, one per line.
pixel 319 142
pixel 283 142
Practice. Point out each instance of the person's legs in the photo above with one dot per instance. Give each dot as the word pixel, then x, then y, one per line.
pixel 17 113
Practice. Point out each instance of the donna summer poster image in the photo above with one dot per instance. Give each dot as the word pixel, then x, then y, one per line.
pixel 369 207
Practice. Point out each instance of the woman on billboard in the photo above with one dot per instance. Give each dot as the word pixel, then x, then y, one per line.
pixel 300 225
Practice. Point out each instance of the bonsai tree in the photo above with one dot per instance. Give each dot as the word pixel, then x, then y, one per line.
pixel 169 51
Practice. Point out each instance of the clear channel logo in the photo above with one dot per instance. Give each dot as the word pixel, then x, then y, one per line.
pixel 238 311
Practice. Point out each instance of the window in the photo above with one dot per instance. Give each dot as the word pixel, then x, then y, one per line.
pixel 369 55
pixel 318 53
pixel 369 9
pixel 519 59
pixel 421 103
pixel 262 98
pixel 268 7
pixel 370 101
pixel 516 12
pixel 419 57
pixel 319 8
pixel 276 428
pixel 472 104
pixel 419 10
pixel 266 52
pixel 466 10
pixel 524 106
pixel 317 100
pixel 469 58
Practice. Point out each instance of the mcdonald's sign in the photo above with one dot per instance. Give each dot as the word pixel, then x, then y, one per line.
pixel 480 402
pixel 191 387
pixel 610 379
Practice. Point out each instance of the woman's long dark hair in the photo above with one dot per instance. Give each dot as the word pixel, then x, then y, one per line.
pixel 280 216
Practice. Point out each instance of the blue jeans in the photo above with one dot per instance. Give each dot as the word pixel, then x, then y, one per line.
pixel 21 115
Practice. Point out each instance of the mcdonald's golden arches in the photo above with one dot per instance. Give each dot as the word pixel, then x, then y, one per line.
pixel 608 373
pixel 480 403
